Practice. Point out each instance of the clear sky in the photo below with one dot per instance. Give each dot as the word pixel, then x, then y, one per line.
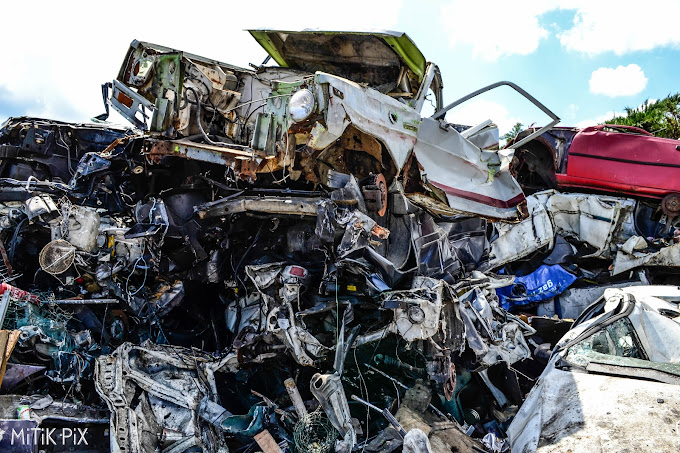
pixel 584 59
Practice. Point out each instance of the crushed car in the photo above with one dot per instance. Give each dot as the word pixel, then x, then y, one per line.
pixel 611 381
pixel 607 158
pixel 337 103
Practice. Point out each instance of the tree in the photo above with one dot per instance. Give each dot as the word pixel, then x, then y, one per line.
pixel 514 132
pixel 661 118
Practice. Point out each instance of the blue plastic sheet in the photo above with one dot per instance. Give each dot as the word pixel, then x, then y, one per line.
pixel 542 284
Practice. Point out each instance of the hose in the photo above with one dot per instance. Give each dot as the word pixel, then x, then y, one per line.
pixel 198 121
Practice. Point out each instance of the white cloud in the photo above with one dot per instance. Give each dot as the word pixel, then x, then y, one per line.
pixel 516 28
pixel 477 111
pixel 622 81
pixel 597 120
pixel 498 28
pixel 61 52
pixel 623 27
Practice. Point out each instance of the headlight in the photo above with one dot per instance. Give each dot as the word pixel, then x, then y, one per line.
pixel 301 105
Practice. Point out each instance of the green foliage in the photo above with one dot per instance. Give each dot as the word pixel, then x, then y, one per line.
pixel 516 129
pixel 661 118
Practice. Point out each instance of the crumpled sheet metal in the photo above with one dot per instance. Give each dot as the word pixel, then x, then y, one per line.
pixel 418 315
pixel 492 341
pixel 328 390
pixel 367 110
pixel 173 384
pixel 601 222
pixel 631 256
pixel 443 152
pixel 518 241
pixel 43 408
pixel 280 318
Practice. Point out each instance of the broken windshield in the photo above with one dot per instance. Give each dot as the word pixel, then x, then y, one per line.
pixel 617 339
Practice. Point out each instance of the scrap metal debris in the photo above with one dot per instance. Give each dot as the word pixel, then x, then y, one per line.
pixel 291 258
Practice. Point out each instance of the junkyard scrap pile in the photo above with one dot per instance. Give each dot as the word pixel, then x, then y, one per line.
pixel 291 258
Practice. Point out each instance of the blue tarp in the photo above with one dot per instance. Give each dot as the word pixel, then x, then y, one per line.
pixel 542 284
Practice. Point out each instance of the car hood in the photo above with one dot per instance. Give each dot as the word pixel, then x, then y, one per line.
pixel 571 411
pixel 372 57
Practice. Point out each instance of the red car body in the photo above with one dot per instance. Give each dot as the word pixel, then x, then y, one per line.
pixel 605 158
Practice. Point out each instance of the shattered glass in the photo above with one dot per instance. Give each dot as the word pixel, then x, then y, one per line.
pixel 617 339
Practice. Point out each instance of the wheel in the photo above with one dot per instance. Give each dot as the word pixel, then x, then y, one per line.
pixel 374 190
pixel 671 204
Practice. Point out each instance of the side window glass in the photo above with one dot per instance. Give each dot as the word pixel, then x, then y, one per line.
pixel 430 104
pixel 617 339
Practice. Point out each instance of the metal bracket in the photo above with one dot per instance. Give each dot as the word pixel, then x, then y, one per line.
pixel 128 103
